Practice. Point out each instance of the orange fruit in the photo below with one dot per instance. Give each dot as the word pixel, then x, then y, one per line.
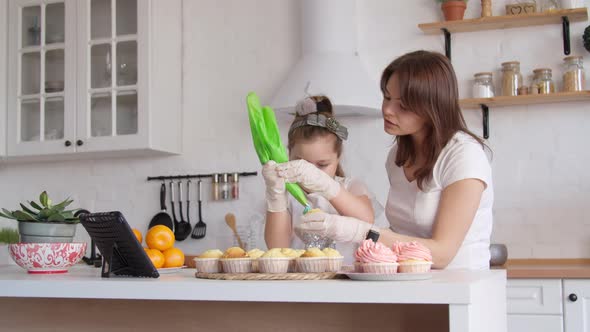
pixel 159 237
pixel 137 234
pixel 156 256
pixel 174 257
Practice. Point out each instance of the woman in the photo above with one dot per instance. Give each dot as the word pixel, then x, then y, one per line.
pixel 441 191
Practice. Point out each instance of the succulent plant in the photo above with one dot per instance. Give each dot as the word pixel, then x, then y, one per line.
pixel 8 235
pixel 43 212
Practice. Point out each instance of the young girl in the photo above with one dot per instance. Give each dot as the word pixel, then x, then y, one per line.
pixel 441 191
pixel 315 147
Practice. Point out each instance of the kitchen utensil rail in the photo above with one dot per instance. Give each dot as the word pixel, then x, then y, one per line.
pixel 195 176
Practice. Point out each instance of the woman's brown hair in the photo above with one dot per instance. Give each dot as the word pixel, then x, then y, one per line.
pixel 428 87
pixel 307 133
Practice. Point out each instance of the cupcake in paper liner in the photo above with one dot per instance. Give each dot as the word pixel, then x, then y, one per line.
pixel 292 254
pixel 376 258
pixel 208 261
pixel 358 266
pixel 207 265
pixel 236 265
pixel 235 252
pixel 313 260
pixel 413 257
pixel 414 266
pixel 274 264
pixel 334 259
pixel 380 268
pixel 255 254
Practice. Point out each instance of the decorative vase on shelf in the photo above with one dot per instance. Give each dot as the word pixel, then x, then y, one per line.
pixel 453 10
pixel 486 8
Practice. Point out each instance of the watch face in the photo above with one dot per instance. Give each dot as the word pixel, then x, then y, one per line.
pixel 373 235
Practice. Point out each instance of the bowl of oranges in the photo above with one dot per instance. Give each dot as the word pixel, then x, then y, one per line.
pixel 160 249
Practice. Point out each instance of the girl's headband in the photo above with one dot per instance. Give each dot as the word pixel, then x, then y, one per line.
pixel 307 109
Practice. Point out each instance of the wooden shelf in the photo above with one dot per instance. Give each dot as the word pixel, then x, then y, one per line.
pixel 504 101
pixel 505 22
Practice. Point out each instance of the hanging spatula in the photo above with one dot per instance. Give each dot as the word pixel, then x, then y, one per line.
pixel 183 228
pixel 200 228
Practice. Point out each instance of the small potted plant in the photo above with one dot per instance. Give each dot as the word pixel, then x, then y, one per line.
pixel 453 10
pixel 7 236
pixel 44 222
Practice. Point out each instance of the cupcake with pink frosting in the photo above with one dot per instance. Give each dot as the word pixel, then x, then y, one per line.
pixel 413 257
pixel 374 257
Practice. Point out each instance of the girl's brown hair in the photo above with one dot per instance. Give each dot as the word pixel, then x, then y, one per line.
pixel 307 133
pixel 428 87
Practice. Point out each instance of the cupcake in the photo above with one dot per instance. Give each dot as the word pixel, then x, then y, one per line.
pixel 235 252
pixel 376 258
pixel 358 265
pixel 255 254
pixel 292 254
pixel 413 257
pixel 236 260
pixel 313 260
pixel 208 261
pixel 334 259
pixel 274 261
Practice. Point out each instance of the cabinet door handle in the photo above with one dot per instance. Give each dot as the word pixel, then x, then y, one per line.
pixel 79 142
pixel 573 297
pixel 68 143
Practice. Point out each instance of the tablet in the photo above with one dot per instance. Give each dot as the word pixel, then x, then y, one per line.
pixel 122 254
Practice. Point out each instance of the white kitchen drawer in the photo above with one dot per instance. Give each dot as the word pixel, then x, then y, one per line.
pixel 534 296
pixel 535 323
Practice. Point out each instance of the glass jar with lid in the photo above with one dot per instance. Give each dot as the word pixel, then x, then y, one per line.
pixel 511 78
pixel 542 81
pixel 483 87
pixel 573 76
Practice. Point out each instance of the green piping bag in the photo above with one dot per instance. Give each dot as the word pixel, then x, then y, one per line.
pixel 267 141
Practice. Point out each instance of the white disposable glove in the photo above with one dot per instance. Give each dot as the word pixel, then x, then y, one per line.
pixel 311 178
pixel 276 194
pixel 336 227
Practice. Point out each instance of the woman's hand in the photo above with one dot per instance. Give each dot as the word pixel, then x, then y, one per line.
pixel 311 178
pixel 276 195
pixel 338 228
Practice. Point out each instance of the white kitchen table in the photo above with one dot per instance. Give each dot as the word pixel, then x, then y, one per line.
pixel 456 301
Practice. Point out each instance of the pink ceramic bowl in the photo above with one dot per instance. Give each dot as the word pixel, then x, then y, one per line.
pixel 46 258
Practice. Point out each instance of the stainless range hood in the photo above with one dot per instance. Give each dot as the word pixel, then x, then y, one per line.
pixel 330 64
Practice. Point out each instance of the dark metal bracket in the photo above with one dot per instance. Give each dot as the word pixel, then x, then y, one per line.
pixel 447 42
pixel 485 112
pixel 565 22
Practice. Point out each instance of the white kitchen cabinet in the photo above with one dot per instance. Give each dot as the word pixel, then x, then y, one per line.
pixel 535 323
pixel 548 305
pixel 94 77
pixel 534 305
pixel 576 305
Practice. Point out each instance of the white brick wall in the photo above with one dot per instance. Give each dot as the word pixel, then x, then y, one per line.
pixel 540 153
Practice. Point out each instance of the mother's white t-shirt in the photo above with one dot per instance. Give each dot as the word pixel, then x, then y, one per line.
pixel 411 211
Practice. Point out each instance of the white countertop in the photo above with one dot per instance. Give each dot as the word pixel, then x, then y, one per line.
pixel 445 287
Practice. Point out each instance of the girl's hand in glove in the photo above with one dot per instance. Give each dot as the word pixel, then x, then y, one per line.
pixel 276 195
pixel 311 178
pixel 338 228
